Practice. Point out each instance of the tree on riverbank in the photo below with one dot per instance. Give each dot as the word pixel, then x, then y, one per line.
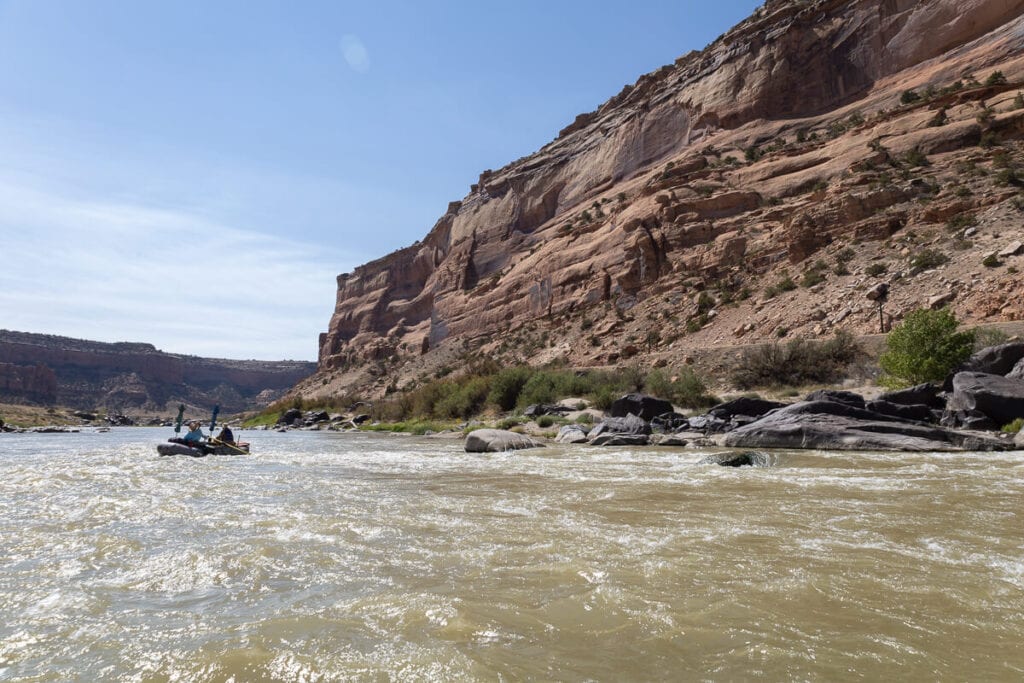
pixel 925 347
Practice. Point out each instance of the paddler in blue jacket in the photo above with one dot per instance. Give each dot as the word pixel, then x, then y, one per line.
pixel 195 436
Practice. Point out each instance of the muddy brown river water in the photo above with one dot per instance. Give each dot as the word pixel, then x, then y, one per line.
pixel 328 557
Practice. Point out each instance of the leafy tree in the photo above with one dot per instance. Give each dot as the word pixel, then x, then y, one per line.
pixel 924 348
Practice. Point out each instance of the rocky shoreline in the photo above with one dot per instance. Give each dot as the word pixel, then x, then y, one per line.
pixel 964 414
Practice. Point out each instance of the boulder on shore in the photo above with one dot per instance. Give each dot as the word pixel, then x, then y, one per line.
pixel 827 425
pixel 497 441
pixel 920 394
pixel 744 405
pixel 631 424
pixel 643 406
pixel 999 398
pixel 573 433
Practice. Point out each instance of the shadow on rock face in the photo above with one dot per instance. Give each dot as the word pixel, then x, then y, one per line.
pixel 740 459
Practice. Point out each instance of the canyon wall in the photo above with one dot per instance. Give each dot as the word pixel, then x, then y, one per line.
pixel 660 184
pixel 86 374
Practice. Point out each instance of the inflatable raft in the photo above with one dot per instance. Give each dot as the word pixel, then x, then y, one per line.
pixel 176 447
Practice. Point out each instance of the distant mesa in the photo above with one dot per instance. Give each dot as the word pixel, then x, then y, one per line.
pixel 46 369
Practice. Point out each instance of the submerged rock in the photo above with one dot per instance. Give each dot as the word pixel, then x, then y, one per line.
pixel 497 441
pixel 743 459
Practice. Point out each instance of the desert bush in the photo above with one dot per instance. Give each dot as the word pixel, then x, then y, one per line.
pixel 996 78
pixel 909 96
pixel 924 348
pixel 797 363
pixel 876 269
pixel 507 385
pixel 686 389
pixel 464 400
pixel 985 337
pixel 928 258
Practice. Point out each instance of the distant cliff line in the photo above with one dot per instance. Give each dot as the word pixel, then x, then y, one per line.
pixel 131 375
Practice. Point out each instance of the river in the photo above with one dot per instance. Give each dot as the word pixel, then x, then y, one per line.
pixel 326 557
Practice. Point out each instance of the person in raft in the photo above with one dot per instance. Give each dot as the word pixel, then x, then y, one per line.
pixel 195 434
pixel 226 436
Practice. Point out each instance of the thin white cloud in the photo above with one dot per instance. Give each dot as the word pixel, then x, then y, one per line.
pixel 121 272
pixel 355 53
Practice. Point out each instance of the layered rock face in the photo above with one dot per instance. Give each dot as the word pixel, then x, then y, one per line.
pixel 783 139
pixel 85 374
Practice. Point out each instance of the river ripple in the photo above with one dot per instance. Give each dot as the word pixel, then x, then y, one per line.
pixel 376 557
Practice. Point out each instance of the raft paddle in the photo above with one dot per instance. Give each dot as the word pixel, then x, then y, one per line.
pixel 225 443
pixel 213 420
pixel 181 414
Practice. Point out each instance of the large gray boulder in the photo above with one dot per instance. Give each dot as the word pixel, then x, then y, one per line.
pixel 610 439
pixel 917 413
pixel 1018 371
pixel 921 394
pixel 631 424
pixel 573 433
pixel 995 360
pixel 1000 398
pixel 497 441
pixel 837 396
pixel 831 426
pixel 751 407
pixel 643 406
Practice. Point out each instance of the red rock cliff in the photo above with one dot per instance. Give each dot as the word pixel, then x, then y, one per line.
pixel 594 217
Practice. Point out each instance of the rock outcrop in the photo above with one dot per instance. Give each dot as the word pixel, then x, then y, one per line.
pixel 85 374
pixel 835 426
pixel 788 137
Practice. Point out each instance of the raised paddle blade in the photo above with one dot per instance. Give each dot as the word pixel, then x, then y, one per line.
pixel 213 420
pixel 181 414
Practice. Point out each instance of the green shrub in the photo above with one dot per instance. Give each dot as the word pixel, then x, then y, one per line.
pixel 545 421
pixel 915 158
pixel 928 258
pixel 961 221
pixel 996 78
pixel 924 348
pixel 540 388
pixel 686 390
pixel 1013 427
pixel 510 422
pixel 585 419
pixel 465 400
pixel 909 96
pixel 507 385
pixel 603 397
pixel 811 278
pixel 876 269
pixel 991 261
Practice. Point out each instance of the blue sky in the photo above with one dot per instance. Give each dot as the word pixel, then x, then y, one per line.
pixel 194 174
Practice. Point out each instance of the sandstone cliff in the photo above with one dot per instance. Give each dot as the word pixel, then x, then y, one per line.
pixel 125 376
pixel 664 220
